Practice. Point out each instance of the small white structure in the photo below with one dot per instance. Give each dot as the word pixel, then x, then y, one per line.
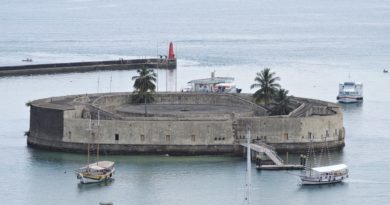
pixel 213 84
pixel 325 175
pixel 350 92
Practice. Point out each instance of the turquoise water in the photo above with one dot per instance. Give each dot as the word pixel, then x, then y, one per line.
pixel 312 45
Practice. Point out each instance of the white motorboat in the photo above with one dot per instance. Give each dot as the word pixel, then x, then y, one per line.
pixel 350 92
pixel 325 175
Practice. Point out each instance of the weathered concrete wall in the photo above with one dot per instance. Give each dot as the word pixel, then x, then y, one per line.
pixel 150 132
pixel 46 123
pixel 287 132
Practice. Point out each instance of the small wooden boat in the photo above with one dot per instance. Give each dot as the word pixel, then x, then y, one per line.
pixel 96 172
pixel 385 70
pixel 325 175
pixel 322 174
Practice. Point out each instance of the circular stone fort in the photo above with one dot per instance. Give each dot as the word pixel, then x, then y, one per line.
pixel 179 123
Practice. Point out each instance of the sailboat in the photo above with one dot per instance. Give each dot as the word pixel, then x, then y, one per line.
pixel 322 174
pixel 98 171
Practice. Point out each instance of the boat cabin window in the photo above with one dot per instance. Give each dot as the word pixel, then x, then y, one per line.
pixel 116 137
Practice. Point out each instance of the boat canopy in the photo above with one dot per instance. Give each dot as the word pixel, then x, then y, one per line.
pixel 101 165
pixel 332 168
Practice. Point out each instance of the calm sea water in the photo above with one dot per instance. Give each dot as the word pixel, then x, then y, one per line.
pixel 311 44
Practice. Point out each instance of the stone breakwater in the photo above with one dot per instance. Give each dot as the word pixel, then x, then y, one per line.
pixel 87 66
pixel 179 123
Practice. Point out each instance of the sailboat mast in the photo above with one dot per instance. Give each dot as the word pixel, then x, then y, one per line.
pixel 248 166
pixel 88 155
pixel 98 136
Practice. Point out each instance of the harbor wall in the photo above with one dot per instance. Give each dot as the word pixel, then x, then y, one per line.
pixel 87 66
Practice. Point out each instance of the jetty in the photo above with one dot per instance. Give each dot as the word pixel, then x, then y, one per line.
pixel 74 67
pixel 278 164
pixel 162 62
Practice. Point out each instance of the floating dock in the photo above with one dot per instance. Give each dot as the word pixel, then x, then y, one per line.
pixel 281 167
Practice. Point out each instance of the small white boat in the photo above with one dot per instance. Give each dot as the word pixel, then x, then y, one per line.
pixel 96 172
pixel 27 60
pixel 385 70
pixel 325 175
pixel 350 92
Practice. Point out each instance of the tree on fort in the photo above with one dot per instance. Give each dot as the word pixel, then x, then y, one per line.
pixel 266 81
pixel 281 103
pixel 144 86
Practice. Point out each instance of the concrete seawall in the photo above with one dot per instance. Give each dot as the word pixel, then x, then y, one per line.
pixel 62 123
pixel 86 66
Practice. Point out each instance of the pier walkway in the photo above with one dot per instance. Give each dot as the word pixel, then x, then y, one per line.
pixel 269 151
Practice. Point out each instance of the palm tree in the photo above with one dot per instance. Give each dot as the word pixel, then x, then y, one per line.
pixel 266 81
pixel 144 85
pixel 281 105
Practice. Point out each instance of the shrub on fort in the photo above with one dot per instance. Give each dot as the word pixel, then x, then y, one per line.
pixel 139 98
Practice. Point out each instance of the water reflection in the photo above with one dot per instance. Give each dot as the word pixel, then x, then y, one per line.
pixel 92 186
pixel 351 108
pixel 321 187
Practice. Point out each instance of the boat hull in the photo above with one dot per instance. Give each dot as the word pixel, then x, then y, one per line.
pixel 346 99
pixel 85 179
pixel 305 180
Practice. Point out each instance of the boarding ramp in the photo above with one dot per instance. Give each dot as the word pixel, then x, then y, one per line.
pixel 268 150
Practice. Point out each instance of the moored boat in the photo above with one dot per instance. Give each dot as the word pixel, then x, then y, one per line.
pixel 96 172
pixel 326 175
pixel 350 92
pixel 332 173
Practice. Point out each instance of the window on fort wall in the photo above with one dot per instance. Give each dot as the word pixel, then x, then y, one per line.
pixel 168 138
pixel 309 135
pixel 70 134
pixel 327 133
pixel 116 137
pixel 142 137
pixel 193 138
pixel 285 136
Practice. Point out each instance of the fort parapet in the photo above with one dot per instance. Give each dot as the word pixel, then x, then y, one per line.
pixel 179 123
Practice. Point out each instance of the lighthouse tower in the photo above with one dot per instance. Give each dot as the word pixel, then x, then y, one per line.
pixel 171 80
